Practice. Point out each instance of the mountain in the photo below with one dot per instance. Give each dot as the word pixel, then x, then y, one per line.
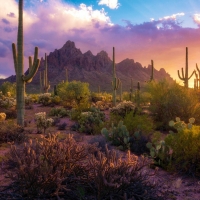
pixel 94 69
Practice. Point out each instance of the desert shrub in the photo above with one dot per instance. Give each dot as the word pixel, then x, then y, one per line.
pixel 11 132
pixel 115 178
pixel 45 168
pixel 185 143
pixel 138 123
pixel 91 122
pixel 123 108
pixel 7 102
pixel 8 89
pixel 52 169
pixel 169 100
pixel 45 99
pixel 119 136
pixel 59 112
pixel 76 93
pixel 11 113
pixel 56 100
pixel 105 97
pixel 42 122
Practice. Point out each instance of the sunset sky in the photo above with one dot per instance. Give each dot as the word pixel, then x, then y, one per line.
pixel 143 30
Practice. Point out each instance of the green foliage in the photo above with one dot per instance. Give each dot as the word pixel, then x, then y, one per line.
pixel 8 87
pixel 185 144
pixel 169 100
pixel 56 100
pixel 11 132
pixel 91 122
pixel 138 123
pixel 119 136
pixel 76 93
pixel 59 112
pixel 103 96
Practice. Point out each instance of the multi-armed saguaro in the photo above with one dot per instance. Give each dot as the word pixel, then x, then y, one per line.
pixel 21 79
pixel 185 77
pixel 115 82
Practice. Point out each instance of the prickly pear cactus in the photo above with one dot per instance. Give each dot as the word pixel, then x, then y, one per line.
pixel 119 136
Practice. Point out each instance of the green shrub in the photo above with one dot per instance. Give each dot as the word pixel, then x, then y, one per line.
pixel 105 97
pixel 169 100
pixel 186 145
pixel 58 112
pixel 138 123
pixel 76 93
pixel 8 87
pixel 91 122
pixel 11 132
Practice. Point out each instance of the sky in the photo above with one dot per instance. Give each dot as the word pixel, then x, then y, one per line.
pixel 142 30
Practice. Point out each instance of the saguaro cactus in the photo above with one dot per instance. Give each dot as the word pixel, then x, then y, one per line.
pixel 115 82
pixel 131 90
pixel 21 79
pixel 198 77
pixel 152 71
pixel 120 97
pixel 137 94
pixel 196 81
pixel 46 83
pixel 185 77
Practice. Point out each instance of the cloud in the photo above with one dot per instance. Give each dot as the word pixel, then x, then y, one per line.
pixel 3 50
pixel 173 17
pixel 196 19
pixel 11 14
pixel 112 4
pixel 5 21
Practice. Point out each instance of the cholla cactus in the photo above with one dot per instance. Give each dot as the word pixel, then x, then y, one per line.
pixel 42 122
pixel 123 108
pixel 2 116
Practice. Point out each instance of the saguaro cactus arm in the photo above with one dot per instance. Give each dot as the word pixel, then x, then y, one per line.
pixel 32 67
pixel 14 56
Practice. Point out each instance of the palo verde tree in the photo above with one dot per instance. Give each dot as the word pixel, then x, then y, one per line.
pixel 21 79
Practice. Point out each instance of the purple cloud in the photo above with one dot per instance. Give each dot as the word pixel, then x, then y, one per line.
pixel 5 21
pixel 11 14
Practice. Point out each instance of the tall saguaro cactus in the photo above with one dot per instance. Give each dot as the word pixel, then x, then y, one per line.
pixel 115 82
pixel 46 83
pixel 21 79
pixel 185 78
pixel 131 90
pixel 152 71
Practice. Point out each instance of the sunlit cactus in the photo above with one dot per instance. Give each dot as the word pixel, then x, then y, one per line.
pixel 21 79
pixel 185 78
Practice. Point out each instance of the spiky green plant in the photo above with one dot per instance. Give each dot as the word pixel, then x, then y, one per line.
pixel 21 79
pixel 115 82
pixel 185 78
